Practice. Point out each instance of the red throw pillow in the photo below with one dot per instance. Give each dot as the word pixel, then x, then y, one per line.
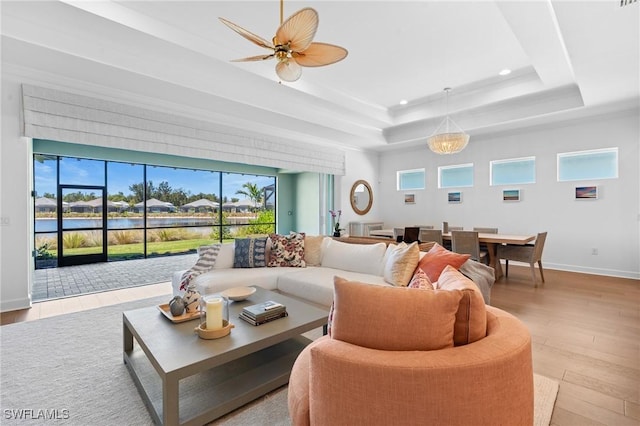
pixel 436 259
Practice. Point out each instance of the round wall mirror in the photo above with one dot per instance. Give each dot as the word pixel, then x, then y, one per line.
pixel 361 197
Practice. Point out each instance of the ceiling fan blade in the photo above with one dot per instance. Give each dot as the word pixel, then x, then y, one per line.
pixel 288 70
pixel 253 58
pixel 298 30
pixel 247 34
pixel 320 54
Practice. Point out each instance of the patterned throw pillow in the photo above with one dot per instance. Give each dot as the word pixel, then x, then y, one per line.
pixel 207 256
pixel 420 280
pixel 330 319
pixel 250 253
pixel 287 250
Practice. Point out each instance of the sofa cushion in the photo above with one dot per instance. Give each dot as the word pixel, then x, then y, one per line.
pixel 313 249
pixel 316 283
pixel 471 318
pixel 218 280
pixel 287 250
pixel 435 260
pixel 400 261
pixel 364 258
pixel 420 280
pixel 393 318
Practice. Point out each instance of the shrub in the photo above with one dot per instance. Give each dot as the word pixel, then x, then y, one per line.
pixel 73 240
pixel 93 239
pixel 124 237
pixel 43 252
pixel 51 243
pixel 226 230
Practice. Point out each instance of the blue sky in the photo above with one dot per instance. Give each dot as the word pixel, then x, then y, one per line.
pixel 123 175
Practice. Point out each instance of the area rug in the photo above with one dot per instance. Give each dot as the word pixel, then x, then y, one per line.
pixel 68 370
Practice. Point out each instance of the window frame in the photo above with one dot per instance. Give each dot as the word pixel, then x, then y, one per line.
pixel 399 174
pixel 531 158
pixel 456 166
pixel 585 153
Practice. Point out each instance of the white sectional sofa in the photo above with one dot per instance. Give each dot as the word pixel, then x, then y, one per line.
pixel 313 283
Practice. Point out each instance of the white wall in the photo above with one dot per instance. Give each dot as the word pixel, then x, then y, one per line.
pixel 609 224
pixel 16 207
pixel 359 165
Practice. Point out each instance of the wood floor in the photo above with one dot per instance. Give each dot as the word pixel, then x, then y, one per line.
pixel 585 330
pixel 586 334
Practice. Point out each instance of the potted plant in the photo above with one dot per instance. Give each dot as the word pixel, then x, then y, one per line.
pixel 44 258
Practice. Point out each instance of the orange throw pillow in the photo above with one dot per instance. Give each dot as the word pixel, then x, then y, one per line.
pixel 393 318
pixel 471 318
pixel 436 259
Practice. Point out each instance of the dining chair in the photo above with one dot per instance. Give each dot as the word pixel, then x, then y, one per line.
pixel 424 226
pixel 466 242
pixel 486 230
pixel 431 235
pixel 411 234
pixel 528 253
pixel 483 246
pixel 456 228
pixel 398 234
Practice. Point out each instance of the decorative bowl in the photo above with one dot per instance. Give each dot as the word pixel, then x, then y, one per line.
pixel 204 333
pixel 238 293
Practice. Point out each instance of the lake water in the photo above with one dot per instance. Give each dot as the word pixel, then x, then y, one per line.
pixel 51 225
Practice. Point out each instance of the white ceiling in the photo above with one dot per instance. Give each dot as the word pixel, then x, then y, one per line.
pixel 568 59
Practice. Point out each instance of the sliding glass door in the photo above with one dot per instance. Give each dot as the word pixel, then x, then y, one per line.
pixel 82 221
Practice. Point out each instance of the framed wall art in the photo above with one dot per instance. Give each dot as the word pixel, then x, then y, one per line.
pixel 409 198
pixel 511 195
pixel 586 192
pixel 455 197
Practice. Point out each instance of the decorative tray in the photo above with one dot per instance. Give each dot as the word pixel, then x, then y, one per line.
pixel 187 316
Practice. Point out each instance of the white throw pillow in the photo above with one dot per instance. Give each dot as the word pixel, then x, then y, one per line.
pixel 400 262
pixel 225 256
pixel 363 258
pixel 313 249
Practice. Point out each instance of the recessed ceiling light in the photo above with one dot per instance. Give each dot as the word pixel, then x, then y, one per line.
pixel 505 71
pixel 404 102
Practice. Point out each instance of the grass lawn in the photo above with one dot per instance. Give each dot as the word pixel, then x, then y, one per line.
pixel 129 251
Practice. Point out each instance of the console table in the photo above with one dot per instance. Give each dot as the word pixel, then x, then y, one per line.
pixel 363 229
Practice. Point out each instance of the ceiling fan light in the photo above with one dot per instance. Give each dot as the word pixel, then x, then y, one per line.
pixel 288 70
pixel 448 143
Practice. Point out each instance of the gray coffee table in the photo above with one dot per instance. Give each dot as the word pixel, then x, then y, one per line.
pixel 187 380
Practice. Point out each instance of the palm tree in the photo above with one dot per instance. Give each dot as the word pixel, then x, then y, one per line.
pixel 252 192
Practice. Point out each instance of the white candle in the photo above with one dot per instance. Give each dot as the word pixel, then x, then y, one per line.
pixel 214 313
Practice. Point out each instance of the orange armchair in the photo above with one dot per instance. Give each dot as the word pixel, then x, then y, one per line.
pixel 487 382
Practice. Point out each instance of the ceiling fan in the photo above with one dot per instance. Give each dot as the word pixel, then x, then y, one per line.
pixel 292 45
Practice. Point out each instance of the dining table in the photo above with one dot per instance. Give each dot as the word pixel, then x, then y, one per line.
pixel 491 240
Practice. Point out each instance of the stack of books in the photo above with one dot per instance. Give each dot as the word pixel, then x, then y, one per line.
pixel 263 312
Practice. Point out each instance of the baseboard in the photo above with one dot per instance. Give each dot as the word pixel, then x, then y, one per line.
pixel 15 304
pixel 586 270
